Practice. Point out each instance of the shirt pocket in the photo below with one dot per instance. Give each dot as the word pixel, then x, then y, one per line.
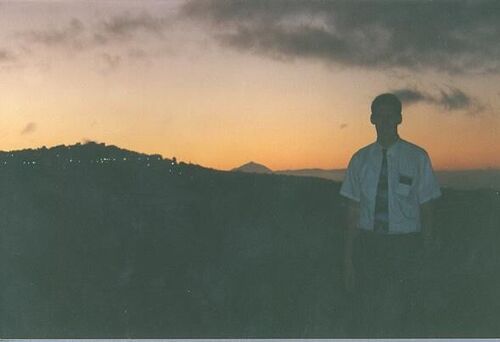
pixel 403 189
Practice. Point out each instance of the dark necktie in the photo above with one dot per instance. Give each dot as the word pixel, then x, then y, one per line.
pixel 381 224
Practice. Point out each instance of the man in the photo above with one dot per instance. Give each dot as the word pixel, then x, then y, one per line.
pixel 390 187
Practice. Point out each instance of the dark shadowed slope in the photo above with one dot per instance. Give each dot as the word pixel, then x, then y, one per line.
pixel 151 248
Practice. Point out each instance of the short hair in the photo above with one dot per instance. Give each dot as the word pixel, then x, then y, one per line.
pixel 387 99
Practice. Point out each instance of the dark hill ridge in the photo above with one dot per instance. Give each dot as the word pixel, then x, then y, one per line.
pixel 90 152
pixel 122 250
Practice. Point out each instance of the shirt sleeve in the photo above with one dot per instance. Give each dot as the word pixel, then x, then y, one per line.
pixel 428 187
pixel 350 187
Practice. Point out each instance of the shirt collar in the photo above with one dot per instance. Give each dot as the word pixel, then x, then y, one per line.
pixel 391 148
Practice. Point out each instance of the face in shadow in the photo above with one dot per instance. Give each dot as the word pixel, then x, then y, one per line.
pixel 386 119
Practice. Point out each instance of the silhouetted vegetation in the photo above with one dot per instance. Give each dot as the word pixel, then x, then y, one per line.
pixel 97 241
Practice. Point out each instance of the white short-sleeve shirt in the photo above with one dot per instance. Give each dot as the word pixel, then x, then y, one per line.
pixel 411 183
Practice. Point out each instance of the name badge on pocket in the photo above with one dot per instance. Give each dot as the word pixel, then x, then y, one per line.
pixel 407 180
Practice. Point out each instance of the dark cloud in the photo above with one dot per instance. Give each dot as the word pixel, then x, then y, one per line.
pixel 29 128
pixel 451 99
pixel 342 126
pixel 116 29
pixel 113 41
pixel 126 25
pixel 453 36
pixel 455 99
pixel 410 96
pixel 69 35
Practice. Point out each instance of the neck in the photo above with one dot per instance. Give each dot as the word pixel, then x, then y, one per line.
pixel 387 141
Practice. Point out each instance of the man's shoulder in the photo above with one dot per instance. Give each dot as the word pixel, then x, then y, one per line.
pixel 414 149
pixel 363 151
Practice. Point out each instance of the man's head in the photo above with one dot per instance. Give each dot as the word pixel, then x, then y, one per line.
pixel 386 106
pixel 386 114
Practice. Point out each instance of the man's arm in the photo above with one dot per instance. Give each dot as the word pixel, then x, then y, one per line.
pixel 351 232
pixel 428 232
pixel 427 216
pixel 428 191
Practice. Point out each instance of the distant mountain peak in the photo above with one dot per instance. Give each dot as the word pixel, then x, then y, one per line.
pixel 253 167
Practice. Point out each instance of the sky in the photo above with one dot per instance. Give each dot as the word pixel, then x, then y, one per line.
pixel 287 84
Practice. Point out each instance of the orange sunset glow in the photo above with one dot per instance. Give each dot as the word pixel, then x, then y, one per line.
pixel 181 78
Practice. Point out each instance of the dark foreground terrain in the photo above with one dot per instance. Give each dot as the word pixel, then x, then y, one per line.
pixel 101 242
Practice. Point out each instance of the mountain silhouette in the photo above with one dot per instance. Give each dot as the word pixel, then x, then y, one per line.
pixel 253 167
pixel 101 242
